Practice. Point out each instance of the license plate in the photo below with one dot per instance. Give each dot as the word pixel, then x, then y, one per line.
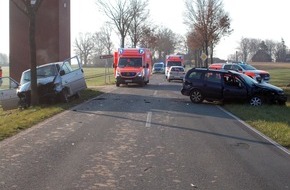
pixel 128 80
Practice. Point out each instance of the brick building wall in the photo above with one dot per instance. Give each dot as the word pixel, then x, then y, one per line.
pixel 52 35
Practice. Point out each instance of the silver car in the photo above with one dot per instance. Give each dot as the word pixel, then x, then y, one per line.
pixel 55 81
pixel 8 97
pixel 176 73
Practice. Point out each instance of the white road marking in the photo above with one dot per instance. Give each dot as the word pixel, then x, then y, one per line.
pixel 148 120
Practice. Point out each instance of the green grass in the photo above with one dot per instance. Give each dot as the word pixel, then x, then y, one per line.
pixel 271 120
pixel 23 119
pixel 95 76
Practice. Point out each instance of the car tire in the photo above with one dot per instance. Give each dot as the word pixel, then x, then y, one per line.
pixel 196 96
pixel 256 101
pixel 64 96
pixel 77 95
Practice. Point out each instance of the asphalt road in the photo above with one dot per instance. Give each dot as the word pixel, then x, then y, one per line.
pixel 142 138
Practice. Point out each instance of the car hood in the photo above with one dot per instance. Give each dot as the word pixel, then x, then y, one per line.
pixel 269 86
pixel 40 81
pixel 258 71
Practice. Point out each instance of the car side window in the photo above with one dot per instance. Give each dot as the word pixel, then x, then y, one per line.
pixel 195 75
pixel 7 84
pixel 236 68
pixel 230 80
pixel 213 77
pixel 227 67
pixel 66 67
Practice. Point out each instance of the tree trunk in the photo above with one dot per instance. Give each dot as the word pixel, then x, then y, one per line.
pixel 32 44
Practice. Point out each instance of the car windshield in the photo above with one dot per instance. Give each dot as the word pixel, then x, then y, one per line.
pixel 130 62
pixel 247 67
pixel 42 72
pixel 158 65
pixel 173 63
pixel 248 79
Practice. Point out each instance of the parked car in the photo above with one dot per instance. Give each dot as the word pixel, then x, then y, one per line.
pixel 8 97
pixel 55 81
pixel 176 73
pixel 211 85
pixel 243 68
pixel 158 68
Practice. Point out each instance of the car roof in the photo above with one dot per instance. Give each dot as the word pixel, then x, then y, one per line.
pixel 214 70
pixel 177 67
pixel 44 65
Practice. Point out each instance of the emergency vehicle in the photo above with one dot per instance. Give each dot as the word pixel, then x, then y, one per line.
pixel 132 65
pixel 173 60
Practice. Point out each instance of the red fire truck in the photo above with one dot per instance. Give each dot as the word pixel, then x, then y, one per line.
pixel 132 65
pixel 173 60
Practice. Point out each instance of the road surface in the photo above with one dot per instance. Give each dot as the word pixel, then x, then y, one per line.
pixel 142 138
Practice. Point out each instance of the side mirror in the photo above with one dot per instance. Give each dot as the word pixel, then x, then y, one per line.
pixel 62 73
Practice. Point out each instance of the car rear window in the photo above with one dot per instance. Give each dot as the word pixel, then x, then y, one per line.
pixel 177 69
pixel 195 75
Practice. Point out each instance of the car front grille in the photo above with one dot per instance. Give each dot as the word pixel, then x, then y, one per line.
pixel 128 74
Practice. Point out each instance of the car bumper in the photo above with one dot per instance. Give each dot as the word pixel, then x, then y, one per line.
pixel 170 77
pixel 281 98
pixel 185 91
pixel 121 80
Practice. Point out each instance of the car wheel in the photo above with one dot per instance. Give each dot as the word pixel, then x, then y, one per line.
pixel 142 84
pixel 77 95
pixel 256 101
pixel 196 96
pixel 64 96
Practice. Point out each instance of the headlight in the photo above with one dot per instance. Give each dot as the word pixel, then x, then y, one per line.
pixel 140 74
pixel 118 74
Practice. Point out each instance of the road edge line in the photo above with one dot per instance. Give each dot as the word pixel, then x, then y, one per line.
pixel 256 131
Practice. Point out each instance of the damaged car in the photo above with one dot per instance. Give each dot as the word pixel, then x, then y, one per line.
pixel 56 81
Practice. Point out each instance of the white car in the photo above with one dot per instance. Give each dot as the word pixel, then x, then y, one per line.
pixel 176 73
pixel 8 97
pixel 55 81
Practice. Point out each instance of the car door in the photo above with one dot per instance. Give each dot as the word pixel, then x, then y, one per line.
pixel 213 86
pixel 8 97
pixel 73 76
pixel 234 88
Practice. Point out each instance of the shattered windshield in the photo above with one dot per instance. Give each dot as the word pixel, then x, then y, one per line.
pixel 42 72
pixel 130 62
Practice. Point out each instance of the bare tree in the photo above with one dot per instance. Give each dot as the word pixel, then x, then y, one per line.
pixel 166 42
pixel 208 19
pixel 271 47
pixel 99 46
pixel 29 8
pixel 105 38
pixel 281 50
pixel 148 37
pixel 142 13
pixel 245 48
pixel 121 13
pixel 84 47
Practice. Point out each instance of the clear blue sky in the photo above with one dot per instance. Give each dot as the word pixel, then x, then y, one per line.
pixel 263 19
